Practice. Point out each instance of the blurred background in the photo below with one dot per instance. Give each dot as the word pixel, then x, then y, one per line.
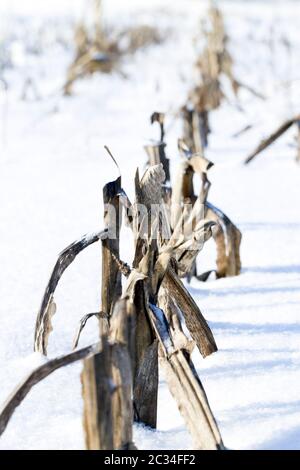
pixel 76 75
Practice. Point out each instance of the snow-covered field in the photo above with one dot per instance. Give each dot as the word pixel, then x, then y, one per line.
pixel 53 167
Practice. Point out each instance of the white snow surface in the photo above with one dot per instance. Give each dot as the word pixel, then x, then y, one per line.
pixel 53 168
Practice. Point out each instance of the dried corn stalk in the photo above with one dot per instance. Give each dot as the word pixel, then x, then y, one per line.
pixel 120 374
pixel 209 219
pixel 43 325
pixel 182 378
pixel 274 136
pixel 101 51
pixel 166 288
pixel 36 376
pixel 148 195
pixel 107 385
pixel 228 240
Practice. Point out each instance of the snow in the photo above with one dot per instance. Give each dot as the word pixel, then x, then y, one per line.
pixel 52 170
